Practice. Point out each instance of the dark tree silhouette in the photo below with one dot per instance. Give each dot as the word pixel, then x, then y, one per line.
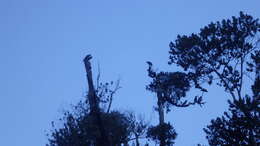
pixel 83 130
pixel 241 126
pixel 163 133
pixel 94 105
pixel 170 88
pixel 79 128
pixel 221 52
pixel 138 128
pixel 88 124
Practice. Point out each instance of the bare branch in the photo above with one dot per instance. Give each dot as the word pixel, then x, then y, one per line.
pixel 117 87
pixel 226 84
pixel 98 76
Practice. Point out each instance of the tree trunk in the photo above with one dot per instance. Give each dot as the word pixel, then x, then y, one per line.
pixel 94 104
pixel 256 86
pixel 161 118
pixel 160 108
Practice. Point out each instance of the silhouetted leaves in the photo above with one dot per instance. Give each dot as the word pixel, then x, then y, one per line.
pixel 240 126
pixel 220 48
pixel 173 86
pixel 165 131
pixel 81 129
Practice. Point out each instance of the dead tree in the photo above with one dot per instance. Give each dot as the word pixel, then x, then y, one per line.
pixel 94 104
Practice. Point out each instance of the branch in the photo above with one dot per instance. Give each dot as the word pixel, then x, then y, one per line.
pixel 222 79
pixel 112 94
pixel 98 76
pixel 197 100
pixel 241 76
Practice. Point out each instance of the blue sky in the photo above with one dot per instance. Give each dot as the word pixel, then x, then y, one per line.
pixel 43 42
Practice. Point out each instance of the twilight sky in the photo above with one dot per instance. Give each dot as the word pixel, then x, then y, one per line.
pixel 43 42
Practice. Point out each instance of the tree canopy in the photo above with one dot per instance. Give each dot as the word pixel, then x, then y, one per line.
pixel 241 125
pixel 218 52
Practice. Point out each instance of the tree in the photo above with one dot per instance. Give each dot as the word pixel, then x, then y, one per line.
pixel 170 88
pixel 80 129
pixel 221 52
pixel 164 134
pixel 94 104
pixel 92 119
pixel 241 126
pixel 138 128
pixel 83 130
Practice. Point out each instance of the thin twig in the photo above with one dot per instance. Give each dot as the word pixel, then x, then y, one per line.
pixel 222 78
pixel 117 87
